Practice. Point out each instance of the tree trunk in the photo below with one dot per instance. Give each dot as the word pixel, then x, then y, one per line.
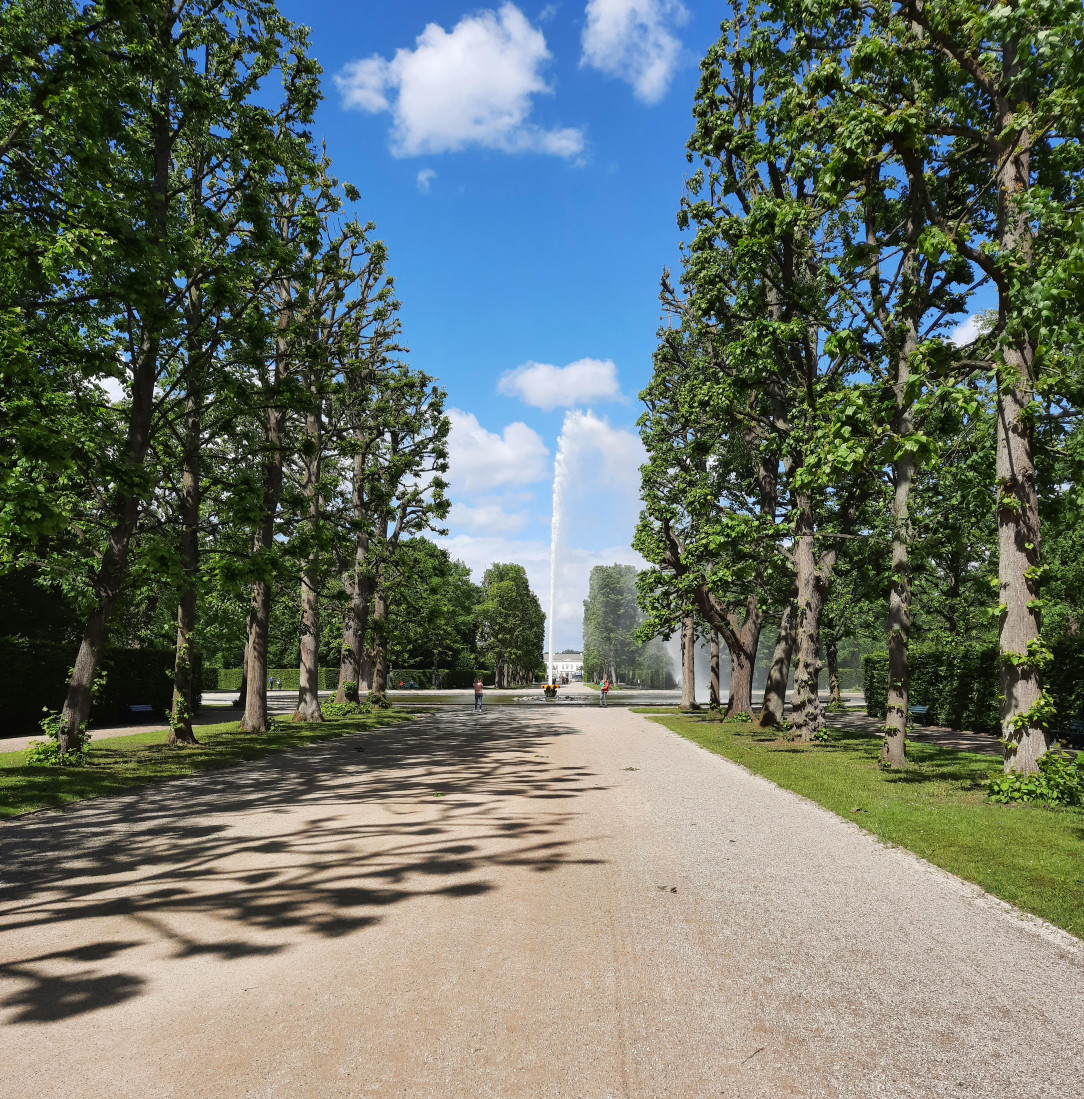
pixel 831 656
pixel 1022 720
pixel 716 696
pixel 812 580
pixel 740 699
pixel 742 646
pixel 380 644
pixel 308 698
pixel 353 659
pixel 255 716
pixel 180 726
pixel 688 664
pixel 242 694
pixel 775 688
pixel 308 695
pixel 894 746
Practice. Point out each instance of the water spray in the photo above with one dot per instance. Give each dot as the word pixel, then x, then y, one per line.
pixel 560 472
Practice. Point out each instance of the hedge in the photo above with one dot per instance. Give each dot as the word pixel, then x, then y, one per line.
pixel 960 684
pixel 229 679
pixel 34 674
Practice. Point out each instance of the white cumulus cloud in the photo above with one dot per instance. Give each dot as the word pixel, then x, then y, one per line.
pixel 633 40
pixel 548 387
pixel 491 517
pixel 473 85
pixel 425 178
pixel 481 460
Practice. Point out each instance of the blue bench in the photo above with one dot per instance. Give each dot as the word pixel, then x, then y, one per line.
pixel 919 713
pixel 1073 734
pixel 140 711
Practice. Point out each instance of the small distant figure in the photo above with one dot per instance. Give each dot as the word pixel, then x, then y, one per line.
pixel 270 682
pixel 604 690
pixel 477 693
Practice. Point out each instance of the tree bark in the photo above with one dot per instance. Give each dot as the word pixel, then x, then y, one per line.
pixel 813 574
pixel 740 698
pixel 1022 723
pixel 775 688
pixel 715 692
pixel 894 746
pixel 255 716
pixel 831 657
pixel 180 726
pixel 380 644
pixel 124 512
pixel 308 696
pixel 353 656
pixel 688 664
pixel 242 694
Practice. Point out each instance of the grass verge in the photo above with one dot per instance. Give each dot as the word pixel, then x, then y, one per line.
pixel 122 763
pixel 1030 856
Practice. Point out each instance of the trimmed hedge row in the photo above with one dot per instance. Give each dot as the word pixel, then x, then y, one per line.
pixel 960 684
pixel 229 679
pixel 34 674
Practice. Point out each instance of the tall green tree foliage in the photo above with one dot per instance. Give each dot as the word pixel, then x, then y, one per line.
pixel 511 625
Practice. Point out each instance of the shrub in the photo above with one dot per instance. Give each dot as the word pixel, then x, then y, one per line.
pixel 1059 781
pixel 34 674
pixel 345 709
pixel 47 752
pixel 960 684
pixel 229 679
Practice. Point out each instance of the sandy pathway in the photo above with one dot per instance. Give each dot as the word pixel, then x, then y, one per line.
pixel 565 902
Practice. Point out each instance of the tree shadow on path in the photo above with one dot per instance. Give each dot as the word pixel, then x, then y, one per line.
pixel 426 808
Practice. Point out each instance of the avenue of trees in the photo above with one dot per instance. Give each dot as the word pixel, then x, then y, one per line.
pixel 830 449
pixel 205 401
pixel 612 620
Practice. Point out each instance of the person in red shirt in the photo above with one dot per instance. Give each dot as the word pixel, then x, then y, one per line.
pixel 478 692
pixel 603 692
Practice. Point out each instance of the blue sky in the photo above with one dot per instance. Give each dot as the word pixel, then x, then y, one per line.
pixel 524 163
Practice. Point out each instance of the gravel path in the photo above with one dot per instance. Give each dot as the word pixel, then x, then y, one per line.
pixel 553 903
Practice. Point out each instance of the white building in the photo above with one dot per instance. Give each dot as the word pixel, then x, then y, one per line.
pixel 568 664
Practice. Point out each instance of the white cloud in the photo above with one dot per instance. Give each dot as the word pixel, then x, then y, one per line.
pixel 600 505
pixel 492 517
pixel 632 40
pixel 548 387
pixel 473 85
pixel 480 460
pixel 969 330
pixel 425 178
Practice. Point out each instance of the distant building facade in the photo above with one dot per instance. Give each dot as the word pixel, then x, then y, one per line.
pixel 568 664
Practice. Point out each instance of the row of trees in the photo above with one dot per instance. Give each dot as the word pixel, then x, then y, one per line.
pixel 612 619
pixel 867 174
pixel 204 394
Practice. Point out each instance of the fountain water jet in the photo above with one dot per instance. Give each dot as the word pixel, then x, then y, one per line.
pixel 560 474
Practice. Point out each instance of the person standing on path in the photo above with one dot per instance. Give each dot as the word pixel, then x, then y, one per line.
pixel 604 690
pixel 478 692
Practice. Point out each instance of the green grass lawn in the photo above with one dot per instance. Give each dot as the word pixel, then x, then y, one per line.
pixel 125 762
pixel 1031 856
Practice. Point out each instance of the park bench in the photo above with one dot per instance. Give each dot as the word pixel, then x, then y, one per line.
pixel 139 711
pixel 919 713
pixel 1073 734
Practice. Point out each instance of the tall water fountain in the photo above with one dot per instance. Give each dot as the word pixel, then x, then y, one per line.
pixel 560 472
